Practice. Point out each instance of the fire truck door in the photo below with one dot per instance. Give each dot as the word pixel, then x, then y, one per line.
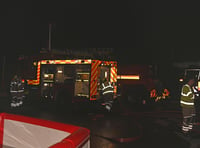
pixel 47 82
pixel 104 73
pixel 82 81
pixel 64 83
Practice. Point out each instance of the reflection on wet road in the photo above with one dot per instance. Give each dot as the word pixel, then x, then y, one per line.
pixel 127 126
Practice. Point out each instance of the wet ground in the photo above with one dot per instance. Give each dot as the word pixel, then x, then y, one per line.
pixel 128 126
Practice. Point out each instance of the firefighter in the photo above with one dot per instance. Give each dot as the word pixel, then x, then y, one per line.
pixel 107 92
pixel 196 91
pixel 16 91
pixel 187 105
pixel 196 103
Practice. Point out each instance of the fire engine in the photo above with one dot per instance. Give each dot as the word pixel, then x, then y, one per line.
pixel 139 83
pixel 195 72
pixel 70 80
pixel 185 69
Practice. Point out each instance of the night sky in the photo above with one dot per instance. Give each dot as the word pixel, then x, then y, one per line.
pixel 138 30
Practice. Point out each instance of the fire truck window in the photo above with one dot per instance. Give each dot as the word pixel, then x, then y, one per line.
pixel 49 71
pixel 192 73
pixel 82 76
pixel 104 73
pixel 48 77
pixel 69 71
pixel 82 81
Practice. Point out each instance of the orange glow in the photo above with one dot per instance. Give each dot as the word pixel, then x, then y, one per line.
pixel 153 93
pixel 129 77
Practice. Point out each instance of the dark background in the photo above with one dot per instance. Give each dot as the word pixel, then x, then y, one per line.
pixel 140 31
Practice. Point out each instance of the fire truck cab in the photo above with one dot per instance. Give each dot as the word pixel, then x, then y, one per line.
pixel 195 72
pixel 72 80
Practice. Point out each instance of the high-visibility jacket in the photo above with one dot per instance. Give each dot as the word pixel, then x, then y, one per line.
pixel 187 97
pixel 107 88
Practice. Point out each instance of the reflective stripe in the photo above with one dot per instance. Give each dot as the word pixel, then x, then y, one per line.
pixel 186 94
pixel 13 91
pixel 190 92
pixel 104 87
pixel 185 128
pixel 109 91
pixel 195 90
pixel 17 91
pixel 187 117
pixel 186 103
pixel 190 126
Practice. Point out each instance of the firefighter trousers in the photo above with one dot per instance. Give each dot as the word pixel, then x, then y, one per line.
pixel 188 119
pixel 108 101
pixel 16 100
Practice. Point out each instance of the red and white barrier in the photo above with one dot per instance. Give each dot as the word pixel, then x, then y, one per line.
pixel 27 132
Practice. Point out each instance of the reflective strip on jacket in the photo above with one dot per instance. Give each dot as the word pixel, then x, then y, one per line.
pixel 16 87
pixel 107 88
pixel 187 97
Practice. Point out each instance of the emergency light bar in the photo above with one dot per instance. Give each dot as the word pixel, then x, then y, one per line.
pixel 79 61
pixel 128 77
